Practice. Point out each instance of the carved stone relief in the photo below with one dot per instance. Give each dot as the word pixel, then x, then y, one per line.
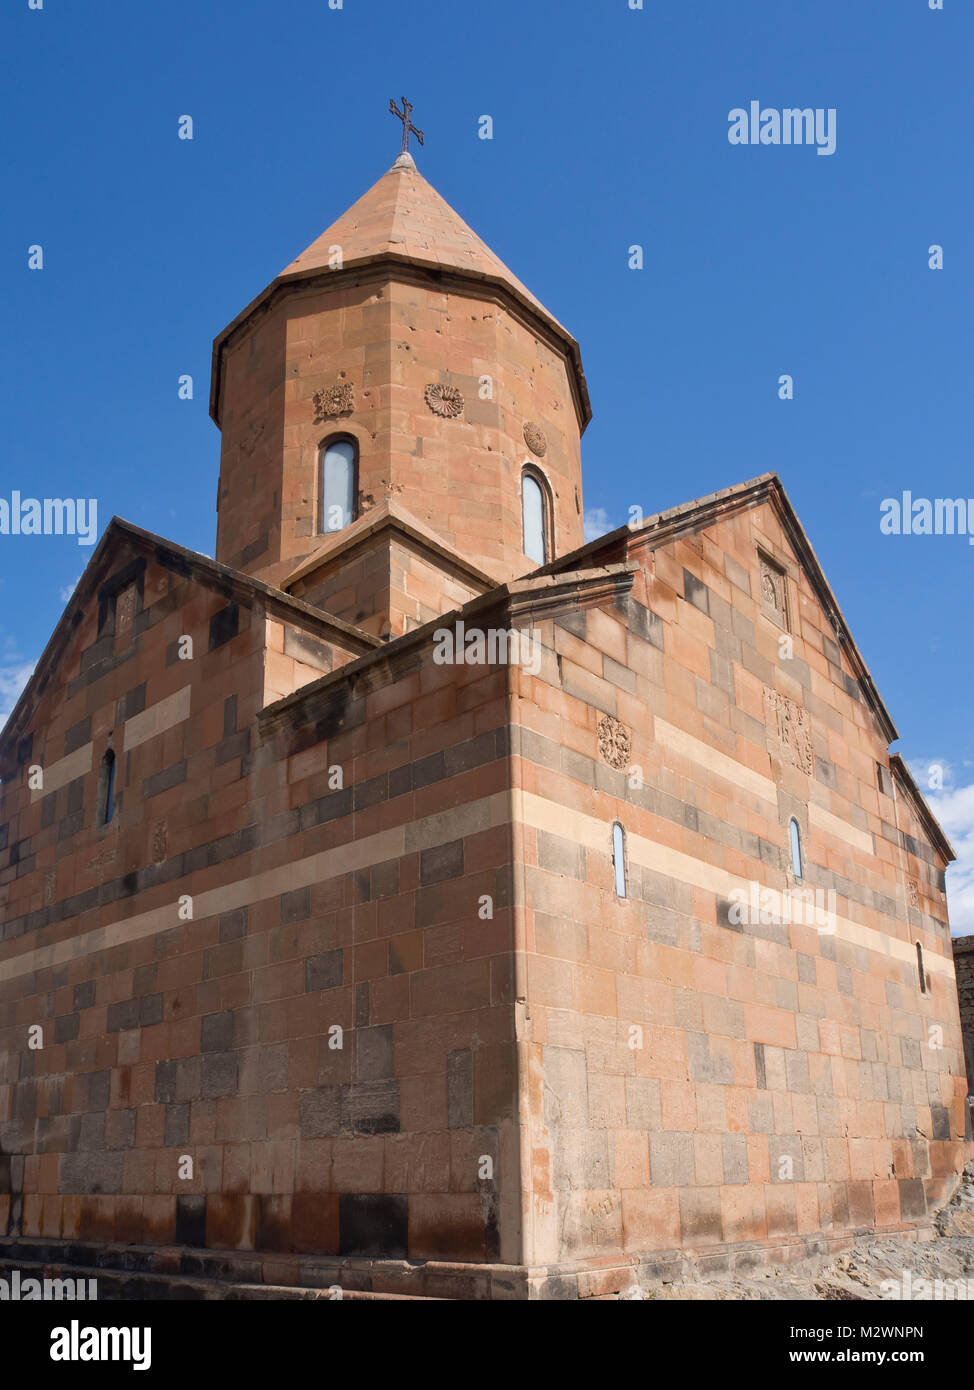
pixel 789 730
pixel 444 400
pixel 615 742
pixel 333 401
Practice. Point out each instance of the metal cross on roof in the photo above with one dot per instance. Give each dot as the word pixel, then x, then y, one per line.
pixel 407 125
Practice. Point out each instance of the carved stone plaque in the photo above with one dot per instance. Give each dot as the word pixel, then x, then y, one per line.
pixel 444 400
pixel 535 439
pixel 789 730
pixel 913 892
pixel 773 594
pixel 332 401
pixel 615 743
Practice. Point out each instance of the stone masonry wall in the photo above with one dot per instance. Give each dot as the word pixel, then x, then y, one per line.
pixel 964 963
pixel 337 867
pixel 781 1081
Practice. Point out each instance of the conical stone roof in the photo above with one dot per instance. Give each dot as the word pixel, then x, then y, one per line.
pixel 402 219
pixel 403 216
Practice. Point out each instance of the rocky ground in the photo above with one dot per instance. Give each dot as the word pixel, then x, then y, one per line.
pixel 859 1273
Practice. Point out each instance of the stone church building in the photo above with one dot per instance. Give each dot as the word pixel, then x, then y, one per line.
pixel 603 938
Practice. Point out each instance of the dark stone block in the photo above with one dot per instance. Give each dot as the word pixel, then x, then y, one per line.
pixel 370 793
pixel 324 971
pixel 100 651
pixel 124 1014
pixel 219 1075
pixel 224 626
pixel 20 851
pixel 759 1066
pixel 236 746
pixel 400 781
pixel 66 1028
pixel 216 1032
pixel 91 1172
pixel 475 752
pixel 241 843
pixel 428 770
pixel 374 1225
pixel 165 1081
pixel 940 1118
pixel 233 925
pixel 229 716
pixel 254 549
pixel 303 647
pixel 327 808
pixel 725 917
pixel 913 1199
pixel 696 592
pixel 296 906
pixel 150 1010
pixel 162 781
pixel 84 995
pixel 130 704
pixel 441 862
pixel 371 1107
pixel 191 1221
pixel 806 968
pixel 825 771
pixel 177 1125
pixel 321 1112
pixel 76 796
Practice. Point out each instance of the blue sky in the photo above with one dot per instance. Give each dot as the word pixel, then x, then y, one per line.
pixel 610 130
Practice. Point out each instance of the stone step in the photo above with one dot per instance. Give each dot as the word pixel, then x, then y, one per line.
pixel 122 1285
pixel 147 1272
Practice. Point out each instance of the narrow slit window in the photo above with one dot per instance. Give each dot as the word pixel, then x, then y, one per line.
pixel 534 513
pixel 338 468
pixel 797 865
pixel 922 974
pixel 619 858
pixel 108 788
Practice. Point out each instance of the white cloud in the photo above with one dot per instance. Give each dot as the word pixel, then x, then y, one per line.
pixel 65 593
pixel 597 523
pixel 13 677
pixel 954 809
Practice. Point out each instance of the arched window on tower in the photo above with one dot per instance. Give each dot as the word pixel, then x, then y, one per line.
pixel 339 470
pixel 797 866
pixel 619 858
pixel 536 516
pixel 106 789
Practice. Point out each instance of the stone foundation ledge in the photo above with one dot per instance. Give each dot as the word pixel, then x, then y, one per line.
pixel 130 1271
